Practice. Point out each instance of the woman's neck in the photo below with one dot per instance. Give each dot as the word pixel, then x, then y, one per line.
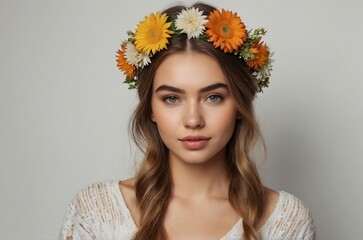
pixel 200 180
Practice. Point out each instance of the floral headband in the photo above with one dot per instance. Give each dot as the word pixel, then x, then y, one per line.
pixel 224 29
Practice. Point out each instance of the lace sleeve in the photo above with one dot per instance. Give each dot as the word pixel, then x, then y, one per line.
pixel 98 212
pixel 291 220
pixel 77 221
pixel 308 230
pixel 300 220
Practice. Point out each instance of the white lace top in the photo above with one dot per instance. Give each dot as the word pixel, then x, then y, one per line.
pixel 99 212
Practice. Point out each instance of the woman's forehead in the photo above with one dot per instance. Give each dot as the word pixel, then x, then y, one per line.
pixel 189 69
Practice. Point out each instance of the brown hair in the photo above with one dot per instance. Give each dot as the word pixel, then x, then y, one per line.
pixel 246 193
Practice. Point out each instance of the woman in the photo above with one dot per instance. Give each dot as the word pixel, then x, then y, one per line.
pixel 197 71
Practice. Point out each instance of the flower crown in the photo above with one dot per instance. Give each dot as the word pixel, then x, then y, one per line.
pixel 224 29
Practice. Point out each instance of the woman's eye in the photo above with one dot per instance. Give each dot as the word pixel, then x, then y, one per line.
pixel 214 98
pixel 170 99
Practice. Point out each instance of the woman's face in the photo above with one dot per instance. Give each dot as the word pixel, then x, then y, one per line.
pixel 192 107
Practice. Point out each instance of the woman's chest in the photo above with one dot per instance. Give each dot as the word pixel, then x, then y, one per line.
pixel 199 221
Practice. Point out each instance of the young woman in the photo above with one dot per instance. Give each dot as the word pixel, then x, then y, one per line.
pixel 197 71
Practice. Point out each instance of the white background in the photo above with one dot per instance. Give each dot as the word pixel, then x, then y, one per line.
pixel 64 111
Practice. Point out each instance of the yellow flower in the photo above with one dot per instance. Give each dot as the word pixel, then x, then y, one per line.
pixel 122 64
pixel 260 51
pixel 152 33
pixel 226 30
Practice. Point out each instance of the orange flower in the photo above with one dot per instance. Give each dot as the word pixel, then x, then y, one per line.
pixel 126 68
pixel 260 51
pixel 226 30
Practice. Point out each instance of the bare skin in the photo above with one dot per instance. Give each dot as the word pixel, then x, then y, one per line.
pixel 194 213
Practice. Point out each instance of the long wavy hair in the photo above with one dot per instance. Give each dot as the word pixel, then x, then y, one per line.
pixel 153 187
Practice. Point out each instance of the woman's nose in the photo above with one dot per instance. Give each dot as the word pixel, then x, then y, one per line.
pixel 193 117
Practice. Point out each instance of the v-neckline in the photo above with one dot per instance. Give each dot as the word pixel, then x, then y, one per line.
pixel 130 219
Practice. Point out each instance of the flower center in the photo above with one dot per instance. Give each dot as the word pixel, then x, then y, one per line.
pixel 225 30
pixel 254 50
pixel 154 35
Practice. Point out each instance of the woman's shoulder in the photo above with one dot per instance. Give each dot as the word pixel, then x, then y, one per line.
pixel 127 189
pixel 97 191
pixel 97 209
pixel 292 206
pixel 97 199
pixel 291 218
pixel 105 194
pixel 127 186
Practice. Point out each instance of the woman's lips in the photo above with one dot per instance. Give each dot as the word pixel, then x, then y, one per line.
pixel 194 142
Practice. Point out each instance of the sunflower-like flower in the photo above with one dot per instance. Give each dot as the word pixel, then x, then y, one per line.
pixel 122 64
pixel 265 72
pixel 134 57
pixel 152 33
pixel 226 30
pixel 191 21
pixel 260 53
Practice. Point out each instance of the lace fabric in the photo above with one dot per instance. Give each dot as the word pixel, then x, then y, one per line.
pixel 99 211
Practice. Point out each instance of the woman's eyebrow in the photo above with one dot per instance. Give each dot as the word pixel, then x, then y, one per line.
pixel 202 90
pixel 169 88
pixel 213 87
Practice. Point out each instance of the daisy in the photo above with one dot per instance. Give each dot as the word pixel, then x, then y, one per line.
pixel 191 21
pixel 134 57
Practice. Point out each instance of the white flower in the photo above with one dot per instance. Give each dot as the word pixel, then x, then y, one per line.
pixel 191 22
pixel 134 57
pixel 145 60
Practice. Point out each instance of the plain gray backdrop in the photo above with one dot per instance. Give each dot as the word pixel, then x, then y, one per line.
pixel 64 109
